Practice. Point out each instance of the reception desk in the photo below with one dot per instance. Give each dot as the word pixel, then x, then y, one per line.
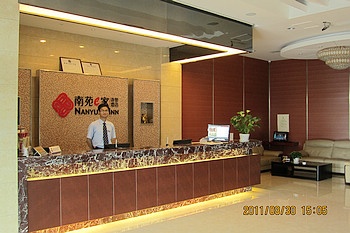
pixel 61 193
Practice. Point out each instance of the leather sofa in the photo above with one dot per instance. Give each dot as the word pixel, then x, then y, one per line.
pixel 267 156
pixel 336 152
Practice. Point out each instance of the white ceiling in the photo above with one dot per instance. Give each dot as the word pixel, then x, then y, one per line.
pixel 270 18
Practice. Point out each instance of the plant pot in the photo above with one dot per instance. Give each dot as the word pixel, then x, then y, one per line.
pixel 244 137
pixel 296 160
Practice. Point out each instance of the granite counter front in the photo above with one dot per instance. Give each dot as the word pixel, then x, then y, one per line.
pixel 62 193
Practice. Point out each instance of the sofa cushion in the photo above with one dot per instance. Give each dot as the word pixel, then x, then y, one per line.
pixel 338 164
pixel 261 151
pixel 258 150
pixel 341 149
pixel 319 148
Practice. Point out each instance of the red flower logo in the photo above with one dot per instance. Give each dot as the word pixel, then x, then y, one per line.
pixel 63 105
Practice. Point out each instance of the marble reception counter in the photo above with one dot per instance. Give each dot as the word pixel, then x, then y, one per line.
pixel 61 193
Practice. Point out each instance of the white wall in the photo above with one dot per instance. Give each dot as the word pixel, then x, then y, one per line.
pixel 171 99
pixel 8 115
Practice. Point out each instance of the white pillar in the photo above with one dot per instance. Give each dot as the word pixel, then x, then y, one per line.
pixel 9 31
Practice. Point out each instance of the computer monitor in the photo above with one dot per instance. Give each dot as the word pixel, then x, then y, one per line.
pixel 182 142
pixel 109 147
pixel 123 145
pixel 280 136
pixel 219 133
pixel 119 146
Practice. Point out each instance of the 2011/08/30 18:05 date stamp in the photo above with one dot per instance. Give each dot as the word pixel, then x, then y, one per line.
pixel 285 210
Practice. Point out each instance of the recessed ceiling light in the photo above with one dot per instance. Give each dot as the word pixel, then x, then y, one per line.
pixel 42 41
pixel 116 51
pixel 81 46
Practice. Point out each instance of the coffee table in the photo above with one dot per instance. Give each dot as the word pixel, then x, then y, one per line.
pixel 311 170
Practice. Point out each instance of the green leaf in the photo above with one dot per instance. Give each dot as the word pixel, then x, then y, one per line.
pixel 244 122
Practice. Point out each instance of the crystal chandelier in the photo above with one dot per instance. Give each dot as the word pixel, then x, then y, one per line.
pixel 336 57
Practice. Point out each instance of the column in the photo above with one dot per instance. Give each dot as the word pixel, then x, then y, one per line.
pixel 9 30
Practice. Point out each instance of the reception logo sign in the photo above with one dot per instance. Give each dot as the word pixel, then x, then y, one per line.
pixel 83 105
pixel 63 105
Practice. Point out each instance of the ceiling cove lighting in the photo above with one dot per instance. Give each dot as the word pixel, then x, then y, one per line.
pixel 53 14
pixel 204 57
pixel 337 57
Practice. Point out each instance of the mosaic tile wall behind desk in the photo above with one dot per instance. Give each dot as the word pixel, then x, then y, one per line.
pixel 69 132
pixel 146 92
pixel 24 77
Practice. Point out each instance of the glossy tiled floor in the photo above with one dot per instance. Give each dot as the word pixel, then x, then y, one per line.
pixel 226 214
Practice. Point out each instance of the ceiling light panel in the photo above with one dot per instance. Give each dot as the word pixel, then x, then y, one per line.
pixel 167 20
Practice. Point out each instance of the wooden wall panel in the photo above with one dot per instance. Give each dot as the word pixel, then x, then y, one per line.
pixel 228 88
pixel 326 114
pixel 216 173
pixel 201 179
pixel 328 102
pixel 146 188
pixel 256 93
pixel 166 185
pixel 184 185
pixel 197 89
pixel 124 191
pixel 292 84
pixel 243 171
pixel 254 169
pixel 100 195
pixel 288 96
pixel 215 90
pixel 74 196
pixel 43 204
pixel 77 199
pixel 230 174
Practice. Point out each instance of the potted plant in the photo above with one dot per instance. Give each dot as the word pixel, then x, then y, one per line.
pixel 295 156
pixel 244 123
